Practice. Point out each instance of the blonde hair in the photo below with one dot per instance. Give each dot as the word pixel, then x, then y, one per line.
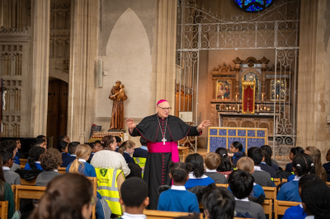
pixel 245 163
pixel 212 161
pixel 125 145
pixel 315 153
pixel 82 151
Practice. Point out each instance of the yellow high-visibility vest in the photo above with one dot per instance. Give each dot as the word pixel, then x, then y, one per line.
pixel 141 161
pixel 108 188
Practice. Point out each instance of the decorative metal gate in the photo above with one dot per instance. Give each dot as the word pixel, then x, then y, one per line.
pixel 277 27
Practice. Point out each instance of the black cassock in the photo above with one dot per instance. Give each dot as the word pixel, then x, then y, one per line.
pixel 156 171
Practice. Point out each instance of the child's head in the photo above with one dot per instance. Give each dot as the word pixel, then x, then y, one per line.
pixel 143 141
pixel 8 145
pixel 67 196
pixel 219 203
pixel 63 146
pixel 267 154
pixel 241 183
pixel 134 193
pixel 307 178
pixel 327 157
pixel 128 147
pixel 109 142
pixel 122 86
pixel 179 172
pixel 225 164
pixel 64 138
pixel 97 146
pixel 295 150
pixel 302 164
pixel 40 141
pixel 245 163
pixel 256 155
pixel 18 143
pixel 72 147
pixel 212 161
pixel 51 160
pixel 197 162
pixel 83 151
pixel 315 198
pixel 236 146
pixel 118 140
pixel 7 158
pixel 35 155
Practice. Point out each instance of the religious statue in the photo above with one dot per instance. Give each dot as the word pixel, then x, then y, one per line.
pixel 118 96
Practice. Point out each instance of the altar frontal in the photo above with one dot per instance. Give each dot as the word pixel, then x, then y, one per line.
pixel 223 137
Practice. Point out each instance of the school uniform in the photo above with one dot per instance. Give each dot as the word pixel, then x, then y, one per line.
pixel 254 209
pixel 275 162
pixel 90 157
pixel 86 169
pixel 178 199
pixel 289 167
pixel 217 177
pixel 295 212
pixel 202 181
pixel 268 169
pixel 128 157
pixel 68 159
pixel 261 177
pixel 11 177
pixel 326 166
pixel 37 163
pixel 45 177
pixel 133 216
pixel 290 191
pixel 141 152
pixel 15 167
pixel 237 156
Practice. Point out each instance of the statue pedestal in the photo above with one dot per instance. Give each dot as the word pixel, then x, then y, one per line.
pixel 98 135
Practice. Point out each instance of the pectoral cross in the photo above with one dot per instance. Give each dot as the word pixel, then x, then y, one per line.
pixel 164 140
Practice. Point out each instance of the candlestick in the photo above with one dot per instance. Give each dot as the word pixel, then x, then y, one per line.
pixel 257 108
pixel 277 96
pixel 236 98
pixel 238 108
pixel 262 97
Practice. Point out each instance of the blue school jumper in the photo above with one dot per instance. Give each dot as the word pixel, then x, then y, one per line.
pixel 128 157
pixel 37 163
pixel 87 169
pixel 193 181
pixel 295 212
pixel 290 191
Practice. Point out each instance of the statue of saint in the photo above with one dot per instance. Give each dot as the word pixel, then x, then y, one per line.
pixel 117 94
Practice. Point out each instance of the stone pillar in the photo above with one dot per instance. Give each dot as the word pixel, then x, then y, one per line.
pixel 313 76
pixel 83 58
pixel 40 66
pixel 166 47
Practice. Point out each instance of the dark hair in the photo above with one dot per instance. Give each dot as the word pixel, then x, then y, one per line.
pixel 72 147
pixel 118 139
pixel 2 182
pixel 179 171
pixel 107 140
pixel 197 162
pixel 61 138
pixel 219 203
pixel 303 164
pixel 297 150
pixel 8 145
pixel 7 156
pixel 143 141
pixel 307 178
pixel 241 183
pixel 255 154
pixel 37 142
pixel 62 145
pixel 316 196
pixel 34 155
pixel 64 198
pixel 41 136
pixel 225 164
pixel 267 154
pixel 131 196
pixel 238 145
pixel 51 159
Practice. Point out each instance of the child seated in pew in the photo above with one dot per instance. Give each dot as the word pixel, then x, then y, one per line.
pixel 197 176
pixel 96 146
pixel 212 161
pixel 225 166
pixel 10 145
pixel 33 161
pixel 218 203
pixel 178 198
pixel 127 150
pixel 72 151
pixel 10 176
pixel 67 196
pixel 326 166
pixel 241 184
pixel 80 165
pixel 51 160
pixel 297 212
pixel 237 151
pixel 261 177
pixel 269 160
pixel 315 200
pixel 135 200
pixel 293 152
pixel 63 148
pixel 315 153
pixel 302 165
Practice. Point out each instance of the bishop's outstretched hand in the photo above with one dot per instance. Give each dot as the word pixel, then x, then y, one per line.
pixel 203 125
pixel 130 124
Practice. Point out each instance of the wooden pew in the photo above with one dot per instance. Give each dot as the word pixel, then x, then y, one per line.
pixel 94 185
pixel 270 192
pixel 4 209
pixel 222 185
pixel 268 207
pixel 28 183
pixel 281 206
pixel 28 192
pixel 62 170
pixel 22 161
pixel 277 181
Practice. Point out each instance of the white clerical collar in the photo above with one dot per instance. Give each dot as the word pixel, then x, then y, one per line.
pixel 243 199
pixel 135 216
pixel 210 171
pixel 191 176
pixel 296 178
pixel 174 187
pixel 73 155
pixel 5 168
pixel 257 168
pixel 37 162
pixel 82 160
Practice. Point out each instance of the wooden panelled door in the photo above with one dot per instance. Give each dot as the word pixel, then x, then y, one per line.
pixel 57 109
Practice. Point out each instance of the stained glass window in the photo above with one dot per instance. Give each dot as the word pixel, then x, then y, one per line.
pixel 253 5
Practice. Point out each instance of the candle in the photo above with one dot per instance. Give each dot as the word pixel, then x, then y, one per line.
pixel 227 108
pixel 262 97
pixel 277 96
pixel 265 108
pixel 233 108
pixel 257 108
pixel 230 108
pixel 223 97
pixel 236 98
pixel 237 107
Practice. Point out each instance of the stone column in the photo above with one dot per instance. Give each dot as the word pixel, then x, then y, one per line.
pixel 313 76
pixel 83 58
pixel 40 66
pixel 166 47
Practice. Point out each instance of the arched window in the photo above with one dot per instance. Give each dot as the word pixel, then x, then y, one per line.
pixel 252 5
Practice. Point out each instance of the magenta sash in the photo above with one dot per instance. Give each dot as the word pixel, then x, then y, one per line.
pixel 169 147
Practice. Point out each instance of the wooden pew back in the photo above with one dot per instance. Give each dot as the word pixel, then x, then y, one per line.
pixel 4 209
pixel 270 192
pixel 281 206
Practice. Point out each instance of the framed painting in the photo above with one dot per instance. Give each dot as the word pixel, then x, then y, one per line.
pixel 224 88
pixel 277 89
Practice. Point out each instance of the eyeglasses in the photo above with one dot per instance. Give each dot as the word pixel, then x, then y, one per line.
pixel 167 108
